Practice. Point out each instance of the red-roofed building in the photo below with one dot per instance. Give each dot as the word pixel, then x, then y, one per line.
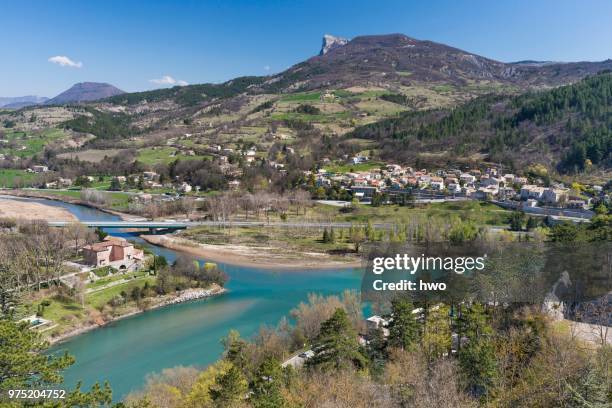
pixel 113 251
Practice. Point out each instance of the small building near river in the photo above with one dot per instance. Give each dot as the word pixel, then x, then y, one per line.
pixel 113 251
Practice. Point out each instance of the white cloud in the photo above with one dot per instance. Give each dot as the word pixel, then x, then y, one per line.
pixel 168 80
pixel 266 68
pixel 64 61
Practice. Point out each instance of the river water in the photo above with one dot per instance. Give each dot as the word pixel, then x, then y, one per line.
pixel 124 352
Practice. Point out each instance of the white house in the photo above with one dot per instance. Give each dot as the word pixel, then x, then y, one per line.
pixel 467 178
pixel 509 178
pixel 40 169
pixel 531 191
pixel 377 322
pixel 149 175
pixel 454 188
pixel 64 182
pixel 554 195
pixel 437 183
pixel 185 188
pixel 489 181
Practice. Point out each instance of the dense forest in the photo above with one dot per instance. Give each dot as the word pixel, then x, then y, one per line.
pixel 104 125
pixel 569 128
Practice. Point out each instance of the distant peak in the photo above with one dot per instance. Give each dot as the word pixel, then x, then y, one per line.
pixel 85 91
pixel 331 42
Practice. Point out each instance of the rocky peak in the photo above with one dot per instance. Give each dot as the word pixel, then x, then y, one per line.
pixel 330 42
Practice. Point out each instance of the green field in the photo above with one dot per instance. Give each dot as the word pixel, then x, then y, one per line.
pixel 59 309
pixel 10 178
pixel 443 88
pixel 478 212
pixel 163 155
pixel 99 299
pixel 67 312
pixel 315 96
pixel 33 142
pixel 318 118
pixel 350 168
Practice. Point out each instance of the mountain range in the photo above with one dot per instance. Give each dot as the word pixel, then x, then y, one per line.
pixel 402 60
pixel 21 101
pixel 404 99
pixel 80 92
pixel 392 61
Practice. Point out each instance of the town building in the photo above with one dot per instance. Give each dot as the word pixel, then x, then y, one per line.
pixel 531 191
pixel 554 195
pixel 150 175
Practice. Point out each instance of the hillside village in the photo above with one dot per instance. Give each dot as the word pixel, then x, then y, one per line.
pixel 378 185
pixel 396 181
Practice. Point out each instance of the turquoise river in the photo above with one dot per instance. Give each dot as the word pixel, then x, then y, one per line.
pixel 125 351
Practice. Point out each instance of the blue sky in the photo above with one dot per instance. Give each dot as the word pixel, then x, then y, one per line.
pixel 131 43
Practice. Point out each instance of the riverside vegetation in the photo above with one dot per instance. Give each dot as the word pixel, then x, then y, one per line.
pixel 37 278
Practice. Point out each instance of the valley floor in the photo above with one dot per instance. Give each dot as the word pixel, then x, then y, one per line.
pixel 262 256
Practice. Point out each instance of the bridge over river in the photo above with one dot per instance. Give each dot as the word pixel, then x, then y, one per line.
pixel 153 226
pixel 158 226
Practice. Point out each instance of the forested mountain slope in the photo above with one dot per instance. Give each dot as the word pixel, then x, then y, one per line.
pixel 569 128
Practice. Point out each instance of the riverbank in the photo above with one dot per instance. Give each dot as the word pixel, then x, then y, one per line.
pixel 159 302
pixel 257 257
pixel 70 200
pixel 17 209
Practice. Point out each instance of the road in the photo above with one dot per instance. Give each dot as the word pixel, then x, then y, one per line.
pixel 298 360
pixel 186 224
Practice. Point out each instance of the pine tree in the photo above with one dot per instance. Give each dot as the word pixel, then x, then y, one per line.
pixel 477 358
pixel 26 366
pixel 115 185
pixel 100 233
pixel 516 221
pixel 531 224
pixel 403 327
pixel 592 393
pixel 478 365
pixel 436 339
pixel 377 350
pixel 235 350
pixel 336 346
pixel 266 385
pixel 325 236
pixel 229 389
